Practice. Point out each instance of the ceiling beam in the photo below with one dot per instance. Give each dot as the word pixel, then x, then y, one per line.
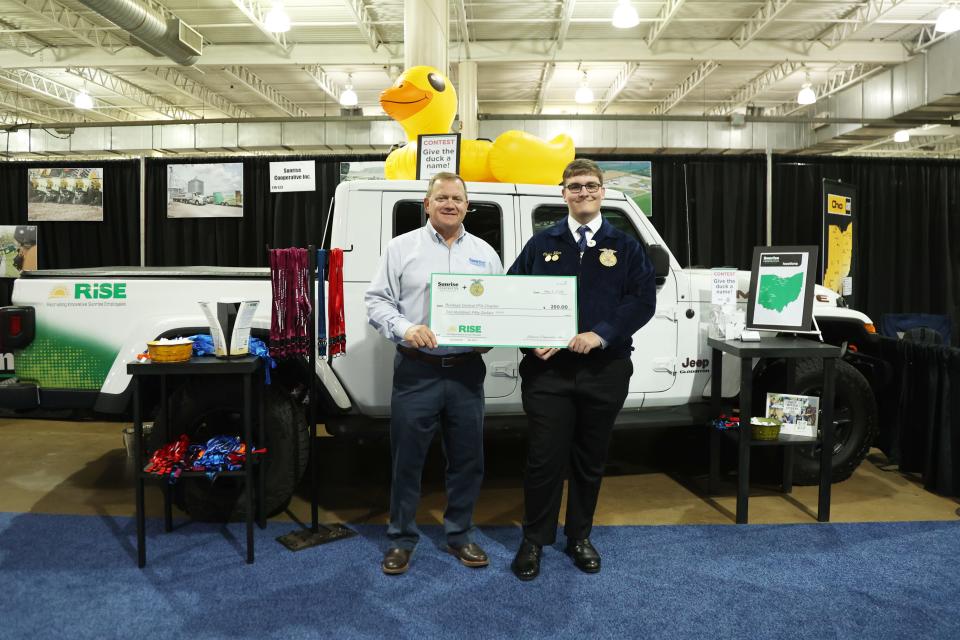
pixel 500 51
pixel 546 75
pixel 619 84
pixel 255 13
pixel 927 37
pixel 756 23
pixel 323 81
pixel 690 83
pixel 47 88
pixel 666 15
pixel 563 28
pixel 128 90
pixel 858 18
pixel 73 23
pixel 193 89
pixel 462 25
pixel 265 91
pixel 13 37
pixel 361 12
pixel 837 82
pixel 755 87
pixel 19 105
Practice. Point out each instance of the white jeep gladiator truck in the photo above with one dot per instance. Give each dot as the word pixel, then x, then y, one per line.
pixel 73 332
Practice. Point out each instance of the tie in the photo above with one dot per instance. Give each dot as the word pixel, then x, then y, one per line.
pixel 582 243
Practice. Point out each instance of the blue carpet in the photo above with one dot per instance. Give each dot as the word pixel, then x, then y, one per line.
pixel 76 576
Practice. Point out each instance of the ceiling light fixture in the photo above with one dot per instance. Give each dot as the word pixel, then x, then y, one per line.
pixel 625 16
pixel 901 136
pixel 348 97
pixel 949 19
pixel 277 20
pixel 83 100
pixel 584 94
pixel 806 95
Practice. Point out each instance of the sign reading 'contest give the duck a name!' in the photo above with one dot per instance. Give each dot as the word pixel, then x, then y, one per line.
pixel 437 152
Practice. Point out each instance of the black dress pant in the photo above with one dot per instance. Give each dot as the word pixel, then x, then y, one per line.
pixel 571 402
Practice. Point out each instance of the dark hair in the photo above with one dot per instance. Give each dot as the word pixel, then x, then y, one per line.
pixel 443 176
pixel 583 167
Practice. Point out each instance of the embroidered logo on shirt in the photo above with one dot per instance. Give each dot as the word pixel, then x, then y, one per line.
pixel 477 263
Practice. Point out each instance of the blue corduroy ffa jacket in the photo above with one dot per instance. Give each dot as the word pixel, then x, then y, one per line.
pixel 614 302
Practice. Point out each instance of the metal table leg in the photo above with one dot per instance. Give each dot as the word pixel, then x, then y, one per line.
pixel 743 444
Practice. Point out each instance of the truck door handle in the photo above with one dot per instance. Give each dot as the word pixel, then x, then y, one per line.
pixel 503 369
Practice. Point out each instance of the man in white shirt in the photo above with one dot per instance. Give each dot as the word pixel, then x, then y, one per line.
pixel 432 386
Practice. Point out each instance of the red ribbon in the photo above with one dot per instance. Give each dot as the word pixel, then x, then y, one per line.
pixel 338 328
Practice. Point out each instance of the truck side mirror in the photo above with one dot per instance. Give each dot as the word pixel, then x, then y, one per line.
pixel 661 262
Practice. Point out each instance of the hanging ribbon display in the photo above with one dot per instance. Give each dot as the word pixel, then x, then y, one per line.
pixel 338 329
pixel 291 306
pixel 321 304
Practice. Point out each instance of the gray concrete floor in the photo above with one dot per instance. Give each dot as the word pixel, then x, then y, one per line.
pixel 654 477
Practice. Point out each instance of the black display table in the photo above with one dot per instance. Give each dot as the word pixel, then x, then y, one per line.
pixel 775 347
pixel 246 366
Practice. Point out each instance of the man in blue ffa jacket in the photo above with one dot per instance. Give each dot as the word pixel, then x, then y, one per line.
pixel 572 396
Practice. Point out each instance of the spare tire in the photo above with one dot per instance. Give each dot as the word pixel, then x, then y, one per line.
pixel 206 406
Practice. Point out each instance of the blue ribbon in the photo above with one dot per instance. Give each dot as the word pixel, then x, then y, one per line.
pixel 203 346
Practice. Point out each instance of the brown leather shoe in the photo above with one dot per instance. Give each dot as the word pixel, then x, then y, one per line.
pixel 396 561
pixel 470 555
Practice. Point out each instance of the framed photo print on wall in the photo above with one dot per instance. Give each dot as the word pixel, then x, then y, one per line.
pixel 781 288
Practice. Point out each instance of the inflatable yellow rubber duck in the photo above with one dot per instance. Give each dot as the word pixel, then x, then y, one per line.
pixel 423 101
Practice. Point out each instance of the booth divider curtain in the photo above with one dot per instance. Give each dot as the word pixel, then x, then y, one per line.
pixel 274 219
pixel 62 245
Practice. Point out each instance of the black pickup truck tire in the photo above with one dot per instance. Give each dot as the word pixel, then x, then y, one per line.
pixel 204 407
pixel 854 417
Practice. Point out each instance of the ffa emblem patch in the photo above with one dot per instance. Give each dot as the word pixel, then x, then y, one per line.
pixel 551 256
pixel 477 288
pixel 608 257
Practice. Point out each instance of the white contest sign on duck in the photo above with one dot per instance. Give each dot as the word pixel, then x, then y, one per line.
pixel 423 101
pixel 437 152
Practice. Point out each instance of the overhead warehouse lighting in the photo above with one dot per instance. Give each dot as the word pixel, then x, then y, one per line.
pixel 348 97
pixel 625 16
pixel 806 95
pixel 83 100
pixel 949 19
pixel 901 136
pixel 277 20
pixel 584 94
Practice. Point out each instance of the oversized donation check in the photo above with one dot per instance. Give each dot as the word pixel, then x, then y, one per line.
pixel 503 311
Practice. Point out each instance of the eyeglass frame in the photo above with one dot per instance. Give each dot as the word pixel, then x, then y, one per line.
pixel 583 186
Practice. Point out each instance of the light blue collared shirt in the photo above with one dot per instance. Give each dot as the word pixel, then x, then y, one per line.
pixel 399 294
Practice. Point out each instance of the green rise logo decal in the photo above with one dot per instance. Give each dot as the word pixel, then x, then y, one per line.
pixel 99 290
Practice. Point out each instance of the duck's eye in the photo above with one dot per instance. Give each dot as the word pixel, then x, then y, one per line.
pixel 436 82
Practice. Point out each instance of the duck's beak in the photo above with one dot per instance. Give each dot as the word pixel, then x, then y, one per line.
pixel 404 100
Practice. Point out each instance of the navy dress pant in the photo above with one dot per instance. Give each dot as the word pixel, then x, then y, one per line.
pixel 427 397
pixel 571 402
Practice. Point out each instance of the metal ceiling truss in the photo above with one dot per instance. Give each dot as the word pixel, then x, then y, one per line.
pixel 48 88
pixel 255 13
pixel 131 91
pixel 193 89
pixel 268 93
pixel 545 77
pixel 73 23
pixel 860 17
pixel 12 37
pixel 755 87
pixel 756 23
pixel 19 105
pixel 666 15
pixel 927 37
pixel 324 82
pixel 366 24
pixel 684 88
pixel 619 84
pixel 563 28
pixel 837 82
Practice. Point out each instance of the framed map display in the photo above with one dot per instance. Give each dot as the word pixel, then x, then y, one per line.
pixel 781 288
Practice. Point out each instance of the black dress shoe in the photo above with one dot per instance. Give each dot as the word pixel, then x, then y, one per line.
pixel 584 555
pixel 396 560
pixel 526 564
pixel 470 554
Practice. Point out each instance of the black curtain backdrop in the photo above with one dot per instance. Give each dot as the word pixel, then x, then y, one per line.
pixel 274 219
pixel 710 210
pixel 907 234
pixel 62 245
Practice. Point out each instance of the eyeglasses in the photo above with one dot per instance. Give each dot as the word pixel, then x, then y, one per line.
pixel 591 187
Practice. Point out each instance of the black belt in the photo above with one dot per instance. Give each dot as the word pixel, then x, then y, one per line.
pixel 438 361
